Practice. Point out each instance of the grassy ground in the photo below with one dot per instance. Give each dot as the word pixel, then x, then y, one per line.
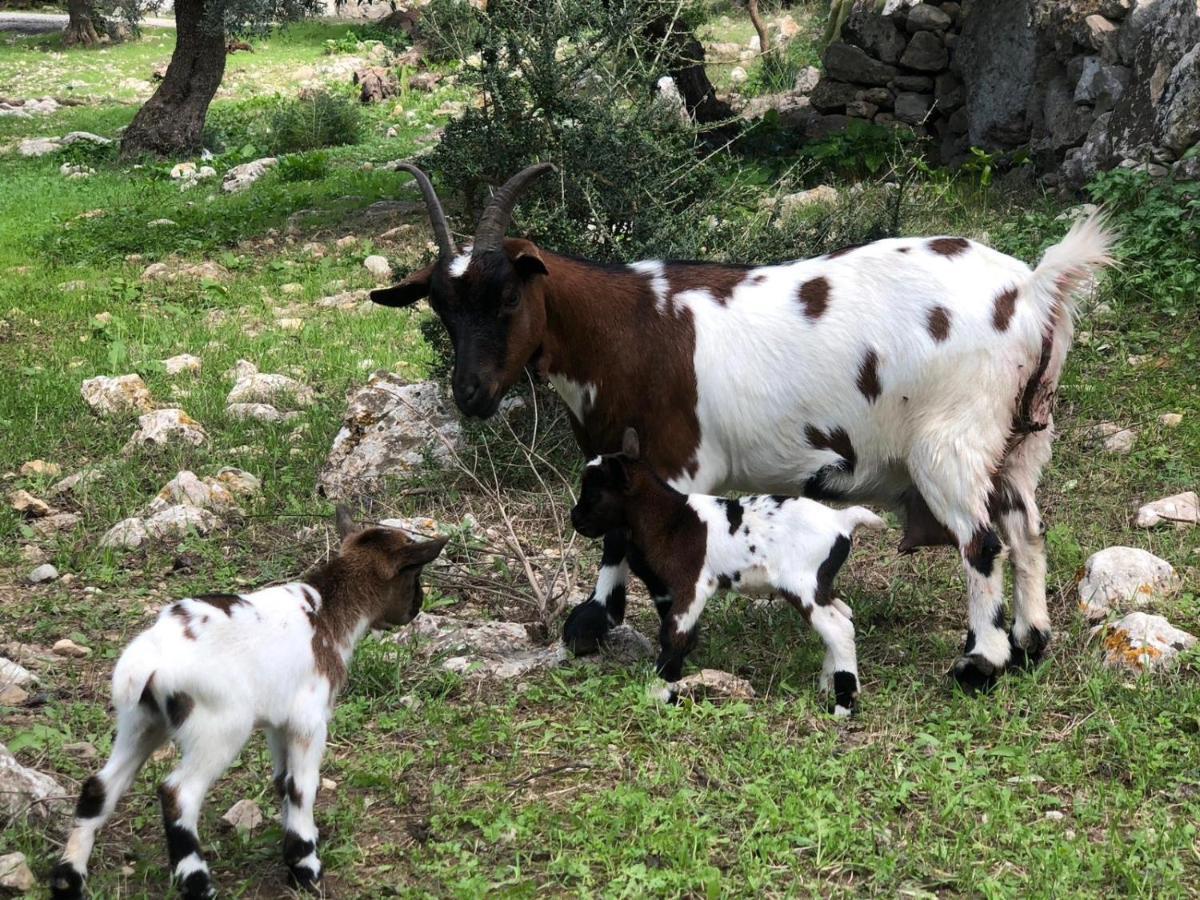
pixel 1071 780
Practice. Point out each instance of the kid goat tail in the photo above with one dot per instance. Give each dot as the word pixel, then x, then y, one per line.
pixel 856 516
pixel 1065 269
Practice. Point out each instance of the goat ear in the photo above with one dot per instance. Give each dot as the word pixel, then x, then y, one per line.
pixel 408 291
pixel 527 260
pixel 345 521
pixel 422 553
pixel 629 444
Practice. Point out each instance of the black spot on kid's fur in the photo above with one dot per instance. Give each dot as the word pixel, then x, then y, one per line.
pixel 179 707
pixel 828 570
pixel 982 551
pixel 91 799
pixel 724 582
pixel 733 512
pixel 817 487
pixel 845 686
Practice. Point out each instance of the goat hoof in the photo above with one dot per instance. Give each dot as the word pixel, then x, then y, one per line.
pixel 974 674
pixel 1030 650
pixel 303 878
pixel 585 628
pixel 66 883
pixel 197 886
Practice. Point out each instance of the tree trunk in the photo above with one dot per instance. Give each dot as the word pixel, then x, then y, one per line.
pixel 699 95
pixel 80 30
pixel 764 36
pixel 171 122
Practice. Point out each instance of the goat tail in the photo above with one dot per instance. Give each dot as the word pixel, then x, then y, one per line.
pixel 856 516
pixel 133 679
pixel 1065 269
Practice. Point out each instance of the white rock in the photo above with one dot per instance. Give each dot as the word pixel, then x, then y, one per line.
pixel 1181 509
pixel 48 526
pixel 791 203
pixel 29 506
pixel 1114 438
pixel 390 429
pixel 38 147
pixel 1140 642
pixel 239 481
pixel 498 650
pixel 177 522
pixel 1120 576
pixel 245 815
pixel 185 489
pixel 15 874
pixel 37 468
pixel 713 684
pixel 128 534
pixel 1170 420
pixel 241 177
pixel 184 362
pixel 291 289
pixel 346 301
pixel 183 170
pixel 419 526
pixel 84 137
pixel 241 369
pixel 69 649
pixel 80 479
pixel 164 428
pixel 43 574
pixel 378 266
pixel 13 673
pixel 277 390
pixel 26 792
pixel 257 412
pixel 162 223
pixel 113 396
pixel 738 75
pixel 289 323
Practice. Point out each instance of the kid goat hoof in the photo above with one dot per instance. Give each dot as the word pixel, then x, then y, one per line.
pixel 585 628
pixel 974 674
pixel 1029 651
pixel 66 883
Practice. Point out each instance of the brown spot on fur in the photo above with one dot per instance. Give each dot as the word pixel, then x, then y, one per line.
pixel 949 246
pixel 181 612
pixel 1005 305
pixel 836 440
pixel 648 384
pixel 938 323
pixel 868 376
pixel 1037 397
pixel 718 280
pixel 224 602
pixel 759 279
pixel 814 295
pixel 921 528
pixel 903 249
pixel 170 802
pixel 842 251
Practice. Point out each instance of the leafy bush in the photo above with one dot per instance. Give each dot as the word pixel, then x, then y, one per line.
pixel 451 29
pixel 572 83
pixel 309 166
pixel 314 119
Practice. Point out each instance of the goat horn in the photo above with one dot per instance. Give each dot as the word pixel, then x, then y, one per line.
pixel 489 233
pixel 437 218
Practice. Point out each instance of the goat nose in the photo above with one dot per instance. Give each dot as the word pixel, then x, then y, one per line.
pixel 468 387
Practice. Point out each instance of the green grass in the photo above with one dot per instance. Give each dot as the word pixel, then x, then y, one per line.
pixel 573 782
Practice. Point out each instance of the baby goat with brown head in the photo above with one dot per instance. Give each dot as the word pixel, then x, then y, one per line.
pixel 214 667
pixel 686 547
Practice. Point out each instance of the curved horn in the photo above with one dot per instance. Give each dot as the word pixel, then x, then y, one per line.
pixel 489 233
pixel 437 218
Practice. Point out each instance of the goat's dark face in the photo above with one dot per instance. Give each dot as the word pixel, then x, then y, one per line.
pixel 488 297
pixel 602 498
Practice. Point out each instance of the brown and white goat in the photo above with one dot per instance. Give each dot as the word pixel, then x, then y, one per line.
pixel 213 668
pixel 686 547
pixel 917 373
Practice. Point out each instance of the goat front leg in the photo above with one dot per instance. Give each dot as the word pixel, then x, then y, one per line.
pixel 589 622
pixel 680 632
pixel 987 651
pixel 306 746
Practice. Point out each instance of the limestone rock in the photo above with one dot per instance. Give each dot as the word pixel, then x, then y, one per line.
pixel 806 80
pixel 1140 642
pixel 389 430
pixel 1113 438
pixel 29 506
pixel 184 363
pixel 84 137
pixel 239 481
pixel 713 684
pixel 15 875
pixel 245 815
pixel 76 482
pixel 42 574
pixel 39 468
pixel 49 526
pixel 845 62
pixel 1122 576
pixel 166 428
pixel 379 267
pixel 1182 509
pixel 418 526
pixel 68 649
pixel 38 147
pixel 114 396
pixel 14 673
pixel 279 391
pixel 128 534
pixel 257 412
pixel 187 490
pixel 177 522
pixel 499 650
pixel 241 177
pixel 1170 420
pixel 789 204
pixel 27 792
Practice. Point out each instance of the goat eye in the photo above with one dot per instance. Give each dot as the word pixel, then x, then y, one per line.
pixel 510 301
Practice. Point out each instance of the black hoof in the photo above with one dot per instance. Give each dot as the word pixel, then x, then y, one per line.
pixel 196 886
pixel 974 674
pixel 585 628
pixel 302 878
pixel 845 695
pixel 1032 653
pixel 66 883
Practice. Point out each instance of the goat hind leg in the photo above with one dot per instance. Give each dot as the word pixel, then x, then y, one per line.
pixel 305 749
pixel 589 622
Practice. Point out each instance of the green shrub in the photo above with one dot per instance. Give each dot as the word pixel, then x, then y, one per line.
pixel 310 166
pixel 315 119
pixel 451 29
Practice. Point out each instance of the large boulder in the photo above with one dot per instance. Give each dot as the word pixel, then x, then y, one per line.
pixel 390 429
pixel 996 58
pixel 1181 510
pixel 27 793
pixel 1124 576
pixel 876 34
pixel 1140 642
pixel 845 62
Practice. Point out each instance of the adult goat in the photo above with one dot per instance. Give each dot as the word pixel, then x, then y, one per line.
pixel 917 373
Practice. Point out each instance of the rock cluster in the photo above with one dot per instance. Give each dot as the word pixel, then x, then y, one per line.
pixel 1083 85
pixel 186 504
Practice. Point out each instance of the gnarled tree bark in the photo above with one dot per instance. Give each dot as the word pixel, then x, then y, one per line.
pixel 699 94
pixel 80 30
pixel 171 122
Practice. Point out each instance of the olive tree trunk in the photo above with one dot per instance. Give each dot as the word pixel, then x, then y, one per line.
pixel 81 29
pixel 171 122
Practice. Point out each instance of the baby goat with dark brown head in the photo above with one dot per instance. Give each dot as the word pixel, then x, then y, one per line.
pixel 686 547
pixel 214 667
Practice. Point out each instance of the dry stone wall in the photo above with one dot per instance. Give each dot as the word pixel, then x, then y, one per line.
pixel 1081 85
